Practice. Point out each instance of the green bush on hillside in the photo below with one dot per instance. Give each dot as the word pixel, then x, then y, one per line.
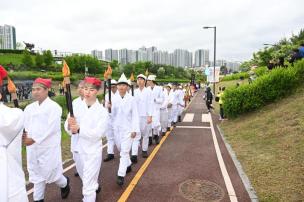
pixel 278 83
pixel 236 76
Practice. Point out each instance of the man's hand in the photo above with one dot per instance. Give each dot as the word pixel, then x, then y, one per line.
pixel 133 135
pixel 149 119
pixel 72 121
pixel 27 140
pixel 74 128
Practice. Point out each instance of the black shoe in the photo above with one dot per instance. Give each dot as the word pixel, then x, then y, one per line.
pixel 163 133
pixel 66 190
pixel 76 174
pixel 179 118
pixel 134 159
pixel 129 169
pixel 150 141
pixel 98 190
pixel 168 128
pixel 42 200
pixel 109 158
pixel 145 154
pixel 120 180
pixel 156 138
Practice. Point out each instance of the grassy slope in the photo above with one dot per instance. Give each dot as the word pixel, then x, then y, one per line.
pixel 8 58
pixel 270 145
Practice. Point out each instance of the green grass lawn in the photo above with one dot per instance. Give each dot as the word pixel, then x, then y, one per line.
pixel 270 146
pixel 8 58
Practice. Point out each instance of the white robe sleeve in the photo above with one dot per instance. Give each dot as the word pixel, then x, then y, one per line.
pixel 94 134
pixel 135 117
pixel 160 97
pixel 54 124
pixel 149 103
pixel 66 128
pixel 11 125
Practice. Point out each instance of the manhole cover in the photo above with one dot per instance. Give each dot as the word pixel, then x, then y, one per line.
pixel 201 190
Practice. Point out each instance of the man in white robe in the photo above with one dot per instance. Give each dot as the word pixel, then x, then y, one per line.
pixel 158 98
pixel 43 139
pixel 173 102
pixel 110 131
pixel 12 186
pixel 144 102
pixel 181 102
pixel 164 112
pixel 168 97
pixel 90 124
pixel 126 124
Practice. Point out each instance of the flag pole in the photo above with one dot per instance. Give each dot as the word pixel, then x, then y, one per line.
pixel 67 82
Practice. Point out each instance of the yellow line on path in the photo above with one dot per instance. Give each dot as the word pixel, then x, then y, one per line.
pixel 141 171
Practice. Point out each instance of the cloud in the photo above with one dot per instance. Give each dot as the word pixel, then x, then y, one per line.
pixel 81 26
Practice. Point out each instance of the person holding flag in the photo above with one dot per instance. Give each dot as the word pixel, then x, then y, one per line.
pixel 11 174
pixel 157 98
pixel 89 123
pixel 144 102
pixel 42 139
pixel 126 124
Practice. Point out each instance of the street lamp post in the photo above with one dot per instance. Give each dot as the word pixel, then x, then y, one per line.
pixel 214 56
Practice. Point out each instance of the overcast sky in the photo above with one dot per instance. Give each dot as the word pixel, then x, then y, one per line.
pixel 83 25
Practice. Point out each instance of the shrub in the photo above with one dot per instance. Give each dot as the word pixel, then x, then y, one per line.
pixel 236 76
pixel 261 71
pixel 268 88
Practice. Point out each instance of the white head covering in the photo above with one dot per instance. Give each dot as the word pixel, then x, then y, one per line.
pixel 142 76
pixel 151 78
pixel 123 79
pixel 129 82
pixel 113 82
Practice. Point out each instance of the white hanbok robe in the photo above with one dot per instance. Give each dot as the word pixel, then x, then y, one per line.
pixel 158 98
pixel 43 125
pixel 125 121
pixel 93 123
pixel 110 131
pixel 12 186
pixel 164 112
pixel 181 101
pixel 144 102
pixel 173 99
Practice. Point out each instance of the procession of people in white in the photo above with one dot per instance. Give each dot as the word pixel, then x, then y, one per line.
pixel 129 122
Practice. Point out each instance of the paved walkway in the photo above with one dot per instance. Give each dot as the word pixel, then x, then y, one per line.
pixel 190 164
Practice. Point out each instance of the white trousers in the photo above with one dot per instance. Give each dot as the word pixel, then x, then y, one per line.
pixel 174 113
pixel 39 188
pixel 89 165
pixel 169 117
pixel 144 134
pixel 110 138
pixel 164 119
pixel 123 142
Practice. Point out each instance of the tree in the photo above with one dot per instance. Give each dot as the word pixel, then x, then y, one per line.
pixel 161 72
pixel 223 70
pixel 27 59
pixel 39 60
pixel 48 58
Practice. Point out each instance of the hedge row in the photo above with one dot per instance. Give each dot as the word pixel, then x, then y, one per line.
pixel 30 75
pixel 236 76
pixel 267 88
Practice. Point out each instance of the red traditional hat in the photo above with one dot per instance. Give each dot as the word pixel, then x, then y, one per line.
pixel 46 82
pixel 94 81
pixel 3 74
